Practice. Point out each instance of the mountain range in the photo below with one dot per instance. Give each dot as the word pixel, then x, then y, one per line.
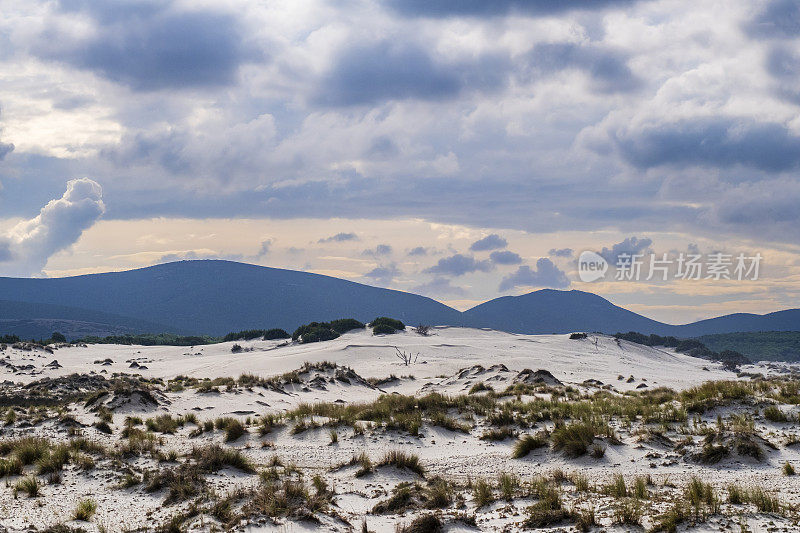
pixel 211 297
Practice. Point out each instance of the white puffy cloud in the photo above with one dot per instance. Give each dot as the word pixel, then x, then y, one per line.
pixel 26 247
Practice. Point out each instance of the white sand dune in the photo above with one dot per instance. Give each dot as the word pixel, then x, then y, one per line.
pixel 444 352
pixel 451 361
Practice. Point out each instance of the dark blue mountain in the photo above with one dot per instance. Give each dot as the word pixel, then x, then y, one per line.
pixel 552 311
pixel 215 297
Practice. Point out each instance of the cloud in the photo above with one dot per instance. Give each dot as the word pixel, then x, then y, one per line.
pixel 192 255
pixel 630 245
pixel 27 246
pixel 439 286
pixel 458 265
pixel 505 257
pixel 607 68
pixel 265 246
pixel 372 73
pixel 340 237
pixel 779 19
pixel 384 274
pixel 784 66
pixel 561 252
pixel 773 204
pixel 481 8
pixel 546 275
pixel 715 141
pixel 381 249
pixel 418 251
pixel 150 45
pixel 490 242
pixel 5 149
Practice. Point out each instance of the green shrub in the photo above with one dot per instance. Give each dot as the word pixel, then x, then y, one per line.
pixel 788 469
pixel 364 462
pixel 29 485
pixel 671 519
pixel 27 449
pixel 383 329
pixel 627 511
pixel 214 457
pixel 526 444
pixel 573 440
pixel 508 485
pixel 163 424
pixel 502 433
pixel 314 332
pixel 482 492
pixel 480 387
pixel 764 502
pixel 386 321
pixel 343 325
pixel 318 334
pixel 712 454
pixel 85 510
pixel 234 430
pixel 401 459
pixel 10 467
pixel 702 498
pixel 773 414
pixel 616 487
pixel 55 460
pixel 548 511
pixel 736 495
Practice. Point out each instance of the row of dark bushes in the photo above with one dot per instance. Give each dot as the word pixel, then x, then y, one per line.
pixel 313 332
pixel 250 334
pixel 692 347
pixel 325 331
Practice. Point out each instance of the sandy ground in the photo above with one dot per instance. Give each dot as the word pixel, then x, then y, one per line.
pixel 446 363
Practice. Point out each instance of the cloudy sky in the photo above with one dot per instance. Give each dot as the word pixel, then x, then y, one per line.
pixel 459 149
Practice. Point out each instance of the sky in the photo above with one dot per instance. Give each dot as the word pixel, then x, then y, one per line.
pixel 459 149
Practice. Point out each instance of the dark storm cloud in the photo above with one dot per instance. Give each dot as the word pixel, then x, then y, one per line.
pixel 608 68
pixel 784 66
pixel 505 257
pixel 458 265
pixel 490 242
pixel 546 274
pixel 150 46
pixel 484 8
pixel 370 73
pixel 715 141
pixel 779 19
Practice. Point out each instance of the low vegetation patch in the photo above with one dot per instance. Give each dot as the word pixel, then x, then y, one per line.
pixel 404 460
